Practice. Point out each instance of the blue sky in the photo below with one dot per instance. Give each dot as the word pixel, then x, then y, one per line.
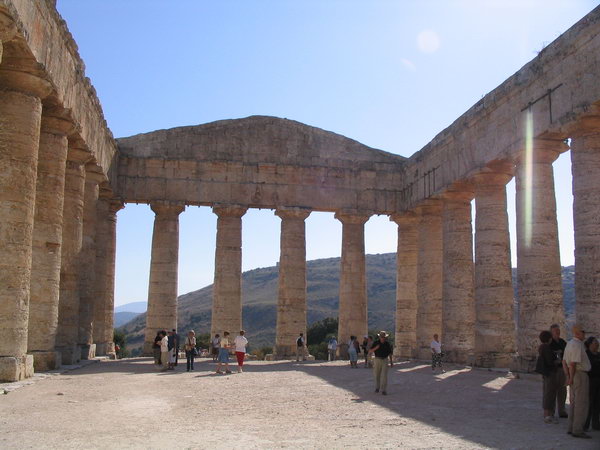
pixel 390 74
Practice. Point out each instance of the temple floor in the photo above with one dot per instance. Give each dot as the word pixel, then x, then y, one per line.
pixel 129 404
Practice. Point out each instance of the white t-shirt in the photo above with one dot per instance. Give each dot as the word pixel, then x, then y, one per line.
pixel 436 346
pixel 164 344
pixel 240 344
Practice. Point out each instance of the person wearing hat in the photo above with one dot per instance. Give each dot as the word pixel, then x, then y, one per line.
pixel 382 350
pixel 577 365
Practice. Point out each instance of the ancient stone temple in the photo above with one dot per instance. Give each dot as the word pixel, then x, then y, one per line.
pixel 63 177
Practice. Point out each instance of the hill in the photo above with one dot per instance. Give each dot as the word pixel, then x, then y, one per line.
pixel 259 297
pixel 135 307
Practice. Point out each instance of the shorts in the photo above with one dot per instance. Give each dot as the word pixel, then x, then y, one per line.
pixel 223 355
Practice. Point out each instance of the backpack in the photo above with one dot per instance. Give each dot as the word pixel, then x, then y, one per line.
pixel 299 342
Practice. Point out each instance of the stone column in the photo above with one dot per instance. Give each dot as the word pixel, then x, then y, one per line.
pixel 494 297
pixel 105 275
pixel 67 336
pixel 429 276
pixel 20 115
pixel 227 288
pixel 353 280
pixel 539 277
pixel 87 274
pixel 585 166
pixel 458 304
pixel 47 242
pixel 405 345
pixel 291 304
pixel 162 290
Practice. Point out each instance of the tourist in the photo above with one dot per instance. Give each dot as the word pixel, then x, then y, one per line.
pixel 224 347
pixel 156 348
pixel 171 341
pixel 558 345
pixel 332 348
pixel 436 353
pixel 164 350
pixel 240 344
pixel 300 348
pixel 577 364
pixel 382 350
pixel 367 344
pixel 190 349
pixel 215 344
pixel 176 352
pixel 353 349
pixel 547 365
pixel 593 417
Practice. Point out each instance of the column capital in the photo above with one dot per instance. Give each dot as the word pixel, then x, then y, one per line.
pixel 352 217
pixel 93 173
pixel 462 191
pixel 78 156
pixel 404 218
pixel 115 205
pixel 13 79
pixel 544 151
pixel 292 213
pixel 491 179
pixel 164 208
pixel 229 210
pixel 56 120
pixel 429 207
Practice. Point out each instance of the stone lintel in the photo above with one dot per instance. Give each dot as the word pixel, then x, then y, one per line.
pixel 407 217
pixel 229 210
pixel 165 208
pixel 289 213
pixel 430 207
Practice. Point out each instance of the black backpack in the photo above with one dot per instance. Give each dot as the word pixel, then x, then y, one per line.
pixel 299 342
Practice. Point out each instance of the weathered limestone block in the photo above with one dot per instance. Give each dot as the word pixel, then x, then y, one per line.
pixel 353 280
pixel 429 276
pixel 405 345
pixel 162 290
pixel 539 279
pixel 20 115
pixel 47 241
pixel 585 160
pixel 291 304
pixel 494 319
pixel 458 305
pixel 105 275
pixel 227 288
pixel 16 368
pixel 72 242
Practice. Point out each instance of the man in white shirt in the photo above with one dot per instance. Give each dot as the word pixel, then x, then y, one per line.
pixel 240 344
pixel 164 351
pixel 331 348
pixel 436 353
pixel 576 365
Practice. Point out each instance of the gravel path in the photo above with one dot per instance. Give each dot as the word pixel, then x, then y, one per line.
pixel 128 404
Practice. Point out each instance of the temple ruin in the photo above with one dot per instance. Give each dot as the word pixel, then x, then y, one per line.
pixel 63 177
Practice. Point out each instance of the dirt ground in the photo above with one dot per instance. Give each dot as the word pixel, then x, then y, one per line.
pixel 128 404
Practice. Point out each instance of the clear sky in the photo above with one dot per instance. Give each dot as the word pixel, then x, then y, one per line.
pixel 390 74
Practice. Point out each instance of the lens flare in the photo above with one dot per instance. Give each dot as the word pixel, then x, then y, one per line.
pixel 527 207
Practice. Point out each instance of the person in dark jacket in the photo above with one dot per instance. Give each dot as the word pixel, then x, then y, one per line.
pixel 593 417
pixel 156 348
pixel 547 365
pixel 558 345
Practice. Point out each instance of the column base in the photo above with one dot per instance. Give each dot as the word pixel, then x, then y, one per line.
pixel 88 351
pixel 494 360
pixel 342 351
pixel 70 354
pixel 44 361
pixel 105 348
pixel 284 352
pixel 16 368
pixel 147 350
pixel 525 364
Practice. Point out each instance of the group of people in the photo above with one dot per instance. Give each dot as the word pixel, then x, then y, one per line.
pixel 220 347
pixel 166 349
pixel 576 365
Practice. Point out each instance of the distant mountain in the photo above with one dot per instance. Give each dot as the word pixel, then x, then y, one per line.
pixel 259 297
pixel 121 318
pixel 136 307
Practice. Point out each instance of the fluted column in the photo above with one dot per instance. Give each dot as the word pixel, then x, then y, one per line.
pixel 20 115
pixel 87 274
pixel 405 345
pixel 429 276
pixel 67 336
pixel 539 278
pixel 227 288
pixel 494 297
pixel 291 303
pixel 47 242
pixel 458 304
pixel 105 275
pixel 162 290
pixel 585 166
pixel 353 280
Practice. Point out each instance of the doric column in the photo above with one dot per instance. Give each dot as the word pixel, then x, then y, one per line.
pixel 227 287
pixel 67 336
pixel 458 304
pixel 20 115
pixel 87 273
pixel 539 278
pixel 291 303
pixel 405 345
pixel 105 274
pixel 353 280
pixel 494 297
pixel 162 290
pixel 47 241
pixel 429 276
pixel 585 166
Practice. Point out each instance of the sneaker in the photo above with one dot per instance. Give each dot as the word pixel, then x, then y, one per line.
pixel 548 419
